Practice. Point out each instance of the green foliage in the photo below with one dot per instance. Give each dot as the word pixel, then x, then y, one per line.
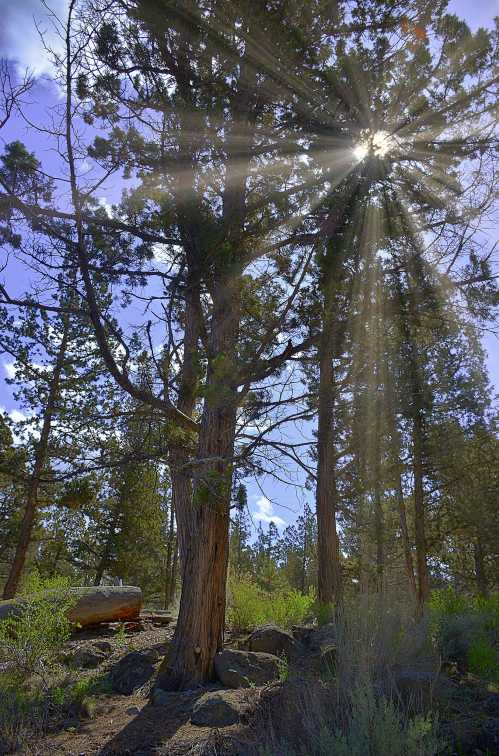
pixel 23 713
pixel 249 606
pixel 120 636
pixel 466 630
pixel 324 613
pixel 483 659
pixel 376 727
pixel 32 639
pixel 81 691
pixel 447 602
pixel 283 666
pixel 77 493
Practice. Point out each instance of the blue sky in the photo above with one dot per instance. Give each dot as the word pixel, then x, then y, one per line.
pixel 20 42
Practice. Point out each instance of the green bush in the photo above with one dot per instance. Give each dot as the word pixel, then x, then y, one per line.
pixel 376 727
pixel 32 640
pixel 483 659
pixel 363 723
pixel 466 630
pixel 23 714
pixel 249 606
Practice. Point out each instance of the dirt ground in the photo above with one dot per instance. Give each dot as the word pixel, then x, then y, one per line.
pixel 130 724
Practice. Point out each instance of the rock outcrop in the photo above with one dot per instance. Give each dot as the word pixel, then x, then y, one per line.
pixel 92 605
pixel 242 669
pixel 270 639
pixel 220 708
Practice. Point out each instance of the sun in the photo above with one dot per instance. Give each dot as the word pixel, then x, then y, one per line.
pixel 378 143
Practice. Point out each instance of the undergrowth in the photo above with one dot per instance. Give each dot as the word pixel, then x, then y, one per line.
pixel 466 631
pixel 249 606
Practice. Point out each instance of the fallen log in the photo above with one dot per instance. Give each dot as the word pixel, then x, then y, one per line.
pixel 93 605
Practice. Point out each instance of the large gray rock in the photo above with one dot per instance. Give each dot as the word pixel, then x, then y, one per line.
pixel 220 708
pixel 88 658
pixel 242 669
pixel 270 639
pixel 131 672
pixel 92 605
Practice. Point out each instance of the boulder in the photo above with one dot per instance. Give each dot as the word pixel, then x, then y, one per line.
pixel 131 672
pixel 105 604
pixel 302 633
pixel 242 669
pixel 270 639
pixel 220 708
pixel 88 658
pixel 103 646
pixel 162 697
pixel 322 636
pixel 92 605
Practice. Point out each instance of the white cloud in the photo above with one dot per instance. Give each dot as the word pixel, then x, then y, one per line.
pixel 10 369
pixel 103 202
pixel 17 416
pixel 19 37
pixel 264 511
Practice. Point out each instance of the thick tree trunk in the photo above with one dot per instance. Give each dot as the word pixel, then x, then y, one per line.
pixel 423 586
pixel 173 575
pixel 329 588
pixel 30 510
pixel 205 524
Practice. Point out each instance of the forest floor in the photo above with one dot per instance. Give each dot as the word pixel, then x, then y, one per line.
pixel 133 722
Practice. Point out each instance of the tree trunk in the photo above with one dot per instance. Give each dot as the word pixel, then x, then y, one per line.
pixel 330 588
pixel 404 532
pixel 399 492
pixel 30 509
pixel 205 524
pixel 169 556
pixel 376 372
pixel 423 586
pixel 173 575
pixel 304 560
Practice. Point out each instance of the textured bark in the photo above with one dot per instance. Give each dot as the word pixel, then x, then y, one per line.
pixel 329 589
pixel 205 524
pixel 423 586
pixel 339 228
pixel 41 454
pixel 171 560
pixel 329 577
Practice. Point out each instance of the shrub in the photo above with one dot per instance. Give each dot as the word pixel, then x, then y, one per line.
pixel 289 608
pixel 483 659
pixel 360 711
pixel 466 630
pixel 32 640
pixel 249 606
pixel 362 723
pixel 375 726
pixel 22 714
